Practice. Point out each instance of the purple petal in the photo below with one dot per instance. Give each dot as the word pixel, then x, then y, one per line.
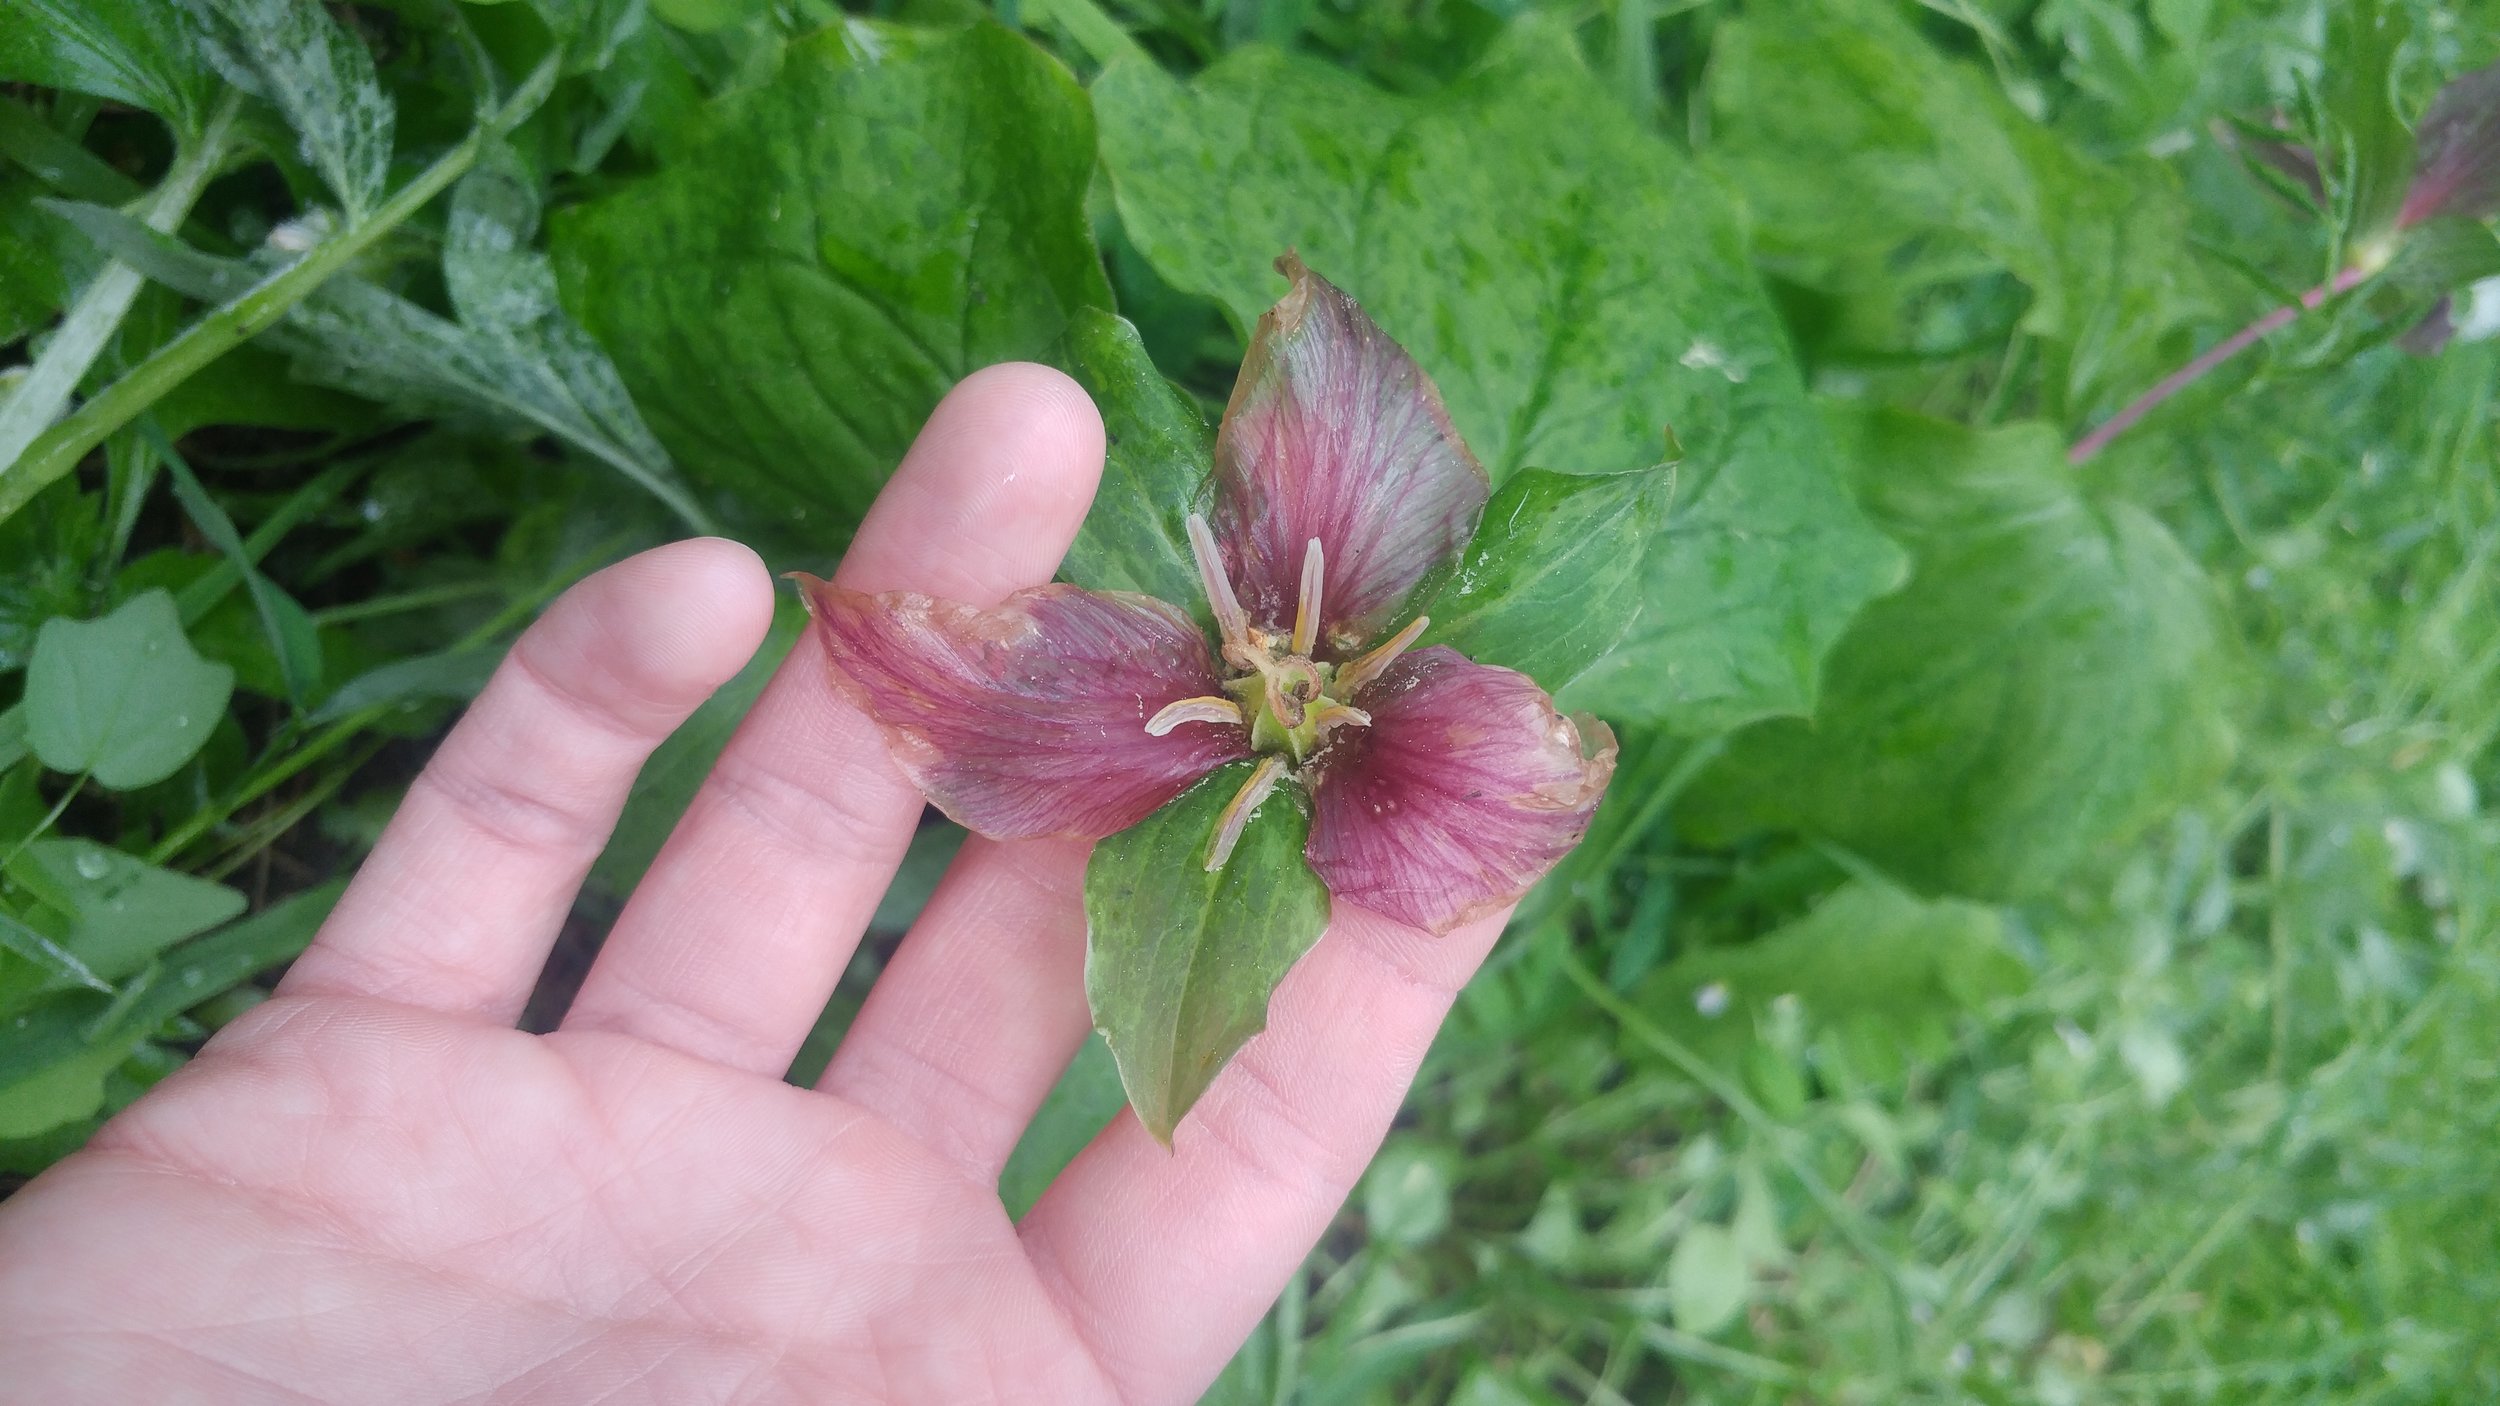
pixel 1465 790
pixel 1334 433
pixel 2457 170
pixel 1030 718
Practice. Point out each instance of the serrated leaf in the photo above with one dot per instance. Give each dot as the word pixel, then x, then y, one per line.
pixel 319 77
pixel 1574 287
pixel 1559 569
pixel 118 911
pixel 2055 675
pixel 1179 962
pixel 126 697
pixel 515 358
pixel 2358 100
pixel 1157 457
pixel 827 254
pixel 141 52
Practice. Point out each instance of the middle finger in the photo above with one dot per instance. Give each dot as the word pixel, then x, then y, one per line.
pixel 730 946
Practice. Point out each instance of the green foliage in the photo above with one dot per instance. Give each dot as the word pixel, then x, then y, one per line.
pixel 144 55
pixel 1179 960
pixel 1881 973
pixel 1880 172
pixel 2053 677
pixel 1981 1030
pixel 786 310
pixel 1156 459
pixel 1573 286
pixel 125 699
pixel 1559 569
pixel 319 77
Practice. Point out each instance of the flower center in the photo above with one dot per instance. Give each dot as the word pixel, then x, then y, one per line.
pixel 1289 700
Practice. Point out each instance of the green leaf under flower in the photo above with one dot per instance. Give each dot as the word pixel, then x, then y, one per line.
pixel 1179 961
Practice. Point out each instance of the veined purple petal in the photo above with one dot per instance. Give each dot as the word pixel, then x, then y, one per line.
pixel 1335 434
pixel 2457 169
pixel 1465 790
pixel 1030 718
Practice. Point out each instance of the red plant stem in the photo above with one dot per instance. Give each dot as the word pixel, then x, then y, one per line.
pixel 2206 361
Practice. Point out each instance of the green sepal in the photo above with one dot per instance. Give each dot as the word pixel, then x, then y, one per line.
pixel 1179 962
pixel 1555 574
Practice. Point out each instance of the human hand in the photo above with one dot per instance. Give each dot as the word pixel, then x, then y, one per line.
pixel 374 1188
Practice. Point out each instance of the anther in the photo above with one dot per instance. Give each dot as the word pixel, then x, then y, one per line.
pixel 1209 709
pixel 1245 804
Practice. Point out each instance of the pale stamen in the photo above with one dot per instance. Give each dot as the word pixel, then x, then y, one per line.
pixel 1306 615
pixel 1245 804
pixel 1209 709
pixel 1231 620
pixel 1371 666
pixel 1337 715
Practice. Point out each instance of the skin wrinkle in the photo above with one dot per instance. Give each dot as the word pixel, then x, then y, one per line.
pixel 1076 1310
pixel 1244 1123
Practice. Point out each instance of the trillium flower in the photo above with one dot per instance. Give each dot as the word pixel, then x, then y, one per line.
pixel 1437 788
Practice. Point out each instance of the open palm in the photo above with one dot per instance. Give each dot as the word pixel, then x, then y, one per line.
pixel 373 1188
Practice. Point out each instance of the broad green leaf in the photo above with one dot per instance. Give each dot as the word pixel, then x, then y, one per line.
pixel 125 697
pixel 1557 572
pixel 118 912
pixel 1086 1097
pixel 1575 288
pixel 1873 967
pixel 54 1058
pixel 1875 167
pixel 1179 962
pixel 2055 675
pixel 141 52
pixel 1708 1279
pixel 1156 461
pixel 826 255
pixel 319 77
pixel 12 735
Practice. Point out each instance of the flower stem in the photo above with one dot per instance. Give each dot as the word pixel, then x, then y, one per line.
pixel 250 312
pixel 2212 357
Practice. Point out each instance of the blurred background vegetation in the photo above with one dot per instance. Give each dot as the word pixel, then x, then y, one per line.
pixel 2040 946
